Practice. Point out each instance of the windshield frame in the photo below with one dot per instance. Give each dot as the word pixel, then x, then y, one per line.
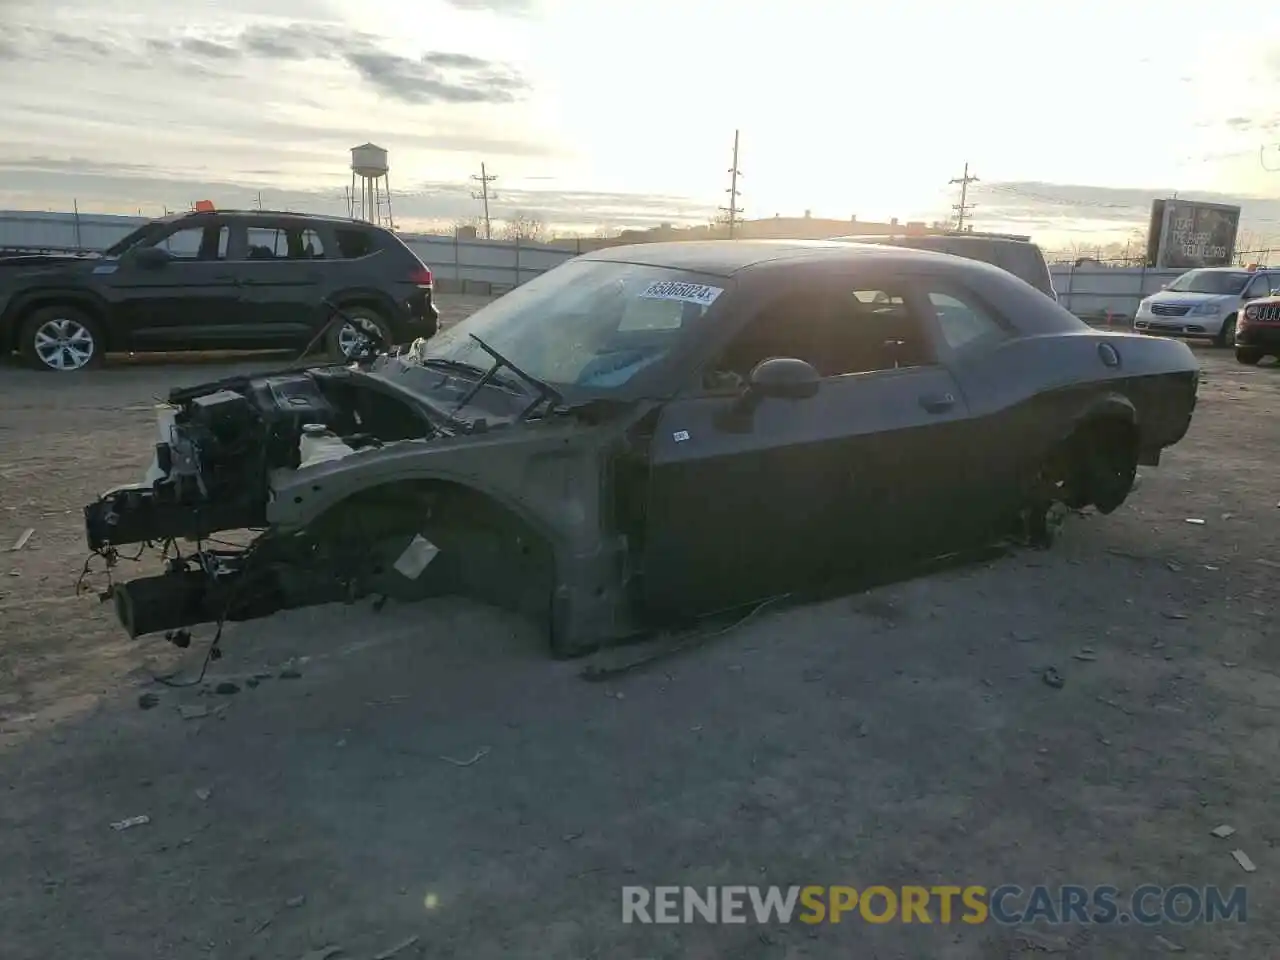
pixel 1245 275
pixel 660 378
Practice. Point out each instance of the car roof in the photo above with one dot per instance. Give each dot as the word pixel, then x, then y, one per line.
pixel 727 257
pixel 966 237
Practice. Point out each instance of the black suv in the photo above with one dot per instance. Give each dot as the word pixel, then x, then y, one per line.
pixel 217 280
pixel 1015 254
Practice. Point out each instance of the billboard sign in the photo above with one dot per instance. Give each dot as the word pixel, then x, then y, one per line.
pixel 1186 234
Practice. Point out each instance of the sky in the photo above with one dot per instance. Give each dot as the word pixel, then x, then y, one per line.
pixel 596 115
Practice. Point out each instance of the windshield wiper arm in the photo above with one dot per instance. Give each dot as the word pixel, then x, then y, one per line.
pixel 543 390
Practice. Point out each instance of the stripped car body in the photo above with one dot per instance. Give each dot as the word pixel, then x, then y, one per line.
pixel 651 432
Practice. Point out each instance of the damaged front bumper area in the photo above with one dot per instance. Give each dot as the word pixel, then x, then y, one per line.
pixel 221 450
pixel 340 483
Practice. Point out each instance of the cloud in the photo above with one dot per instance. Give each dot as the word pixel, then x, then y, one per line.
pixel 511 7
pixel 419 81
pixel 437 76
pixel 1239 123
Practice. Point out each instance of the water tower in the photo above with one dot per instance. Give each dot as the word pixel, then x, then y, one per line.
pixel 370 197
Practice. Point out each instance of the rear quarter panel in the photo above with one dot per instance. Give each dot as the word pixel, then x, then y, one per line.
pixel 1029 393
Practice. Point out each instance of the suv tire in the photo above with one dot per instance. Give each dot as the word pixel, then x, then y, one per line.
pixel 1248 355
pixel 1227 335
pixel 342 338
pixel 61 339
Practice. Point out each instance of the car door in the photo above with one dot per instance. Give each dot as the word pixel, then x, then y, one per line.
pixel 992 449
pixel 805 488
pixel 178 303
pixel 280 266
pixel 900 419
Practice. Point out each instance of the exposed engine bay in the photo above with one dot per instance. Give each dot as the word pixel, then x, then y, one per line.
pixel 220 445
pixel 405 519
pixel 223 450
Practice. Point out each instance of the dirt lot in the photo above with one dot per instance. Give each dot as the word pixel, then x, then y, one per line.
pixel 899 737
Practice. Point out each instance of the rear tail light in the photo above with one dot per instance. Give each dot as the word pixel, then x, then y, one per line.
pixel 421 276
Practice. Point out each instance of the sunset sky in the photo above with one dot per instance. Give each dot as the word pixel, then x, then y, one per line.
pixel 622 112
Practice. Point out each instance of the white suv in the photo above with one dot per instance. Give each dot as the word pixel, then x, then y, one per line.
pixel 1204 303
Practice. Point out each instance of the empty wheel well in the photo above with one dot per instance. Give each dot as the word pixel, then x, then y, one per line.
pixel 1104 457
pixel 486 550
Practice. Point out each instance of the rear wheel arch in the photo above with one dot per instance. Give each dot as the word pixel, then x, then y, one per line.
pixel 1104 450
pixel 374 300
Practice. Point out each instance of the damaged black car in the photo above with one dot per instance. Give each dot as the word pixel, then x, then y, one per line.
pixel 648 433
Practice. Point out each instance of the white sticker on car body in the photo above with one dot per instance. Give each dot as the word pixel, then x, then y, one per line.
pixel 416 556
pixel 699 293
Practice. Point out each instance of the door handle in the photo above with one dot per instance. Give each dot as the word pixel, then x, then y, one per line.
pixel 938 402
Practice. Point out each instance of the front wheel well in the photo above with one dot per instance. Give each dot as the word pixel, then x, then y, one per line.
pixel 486 551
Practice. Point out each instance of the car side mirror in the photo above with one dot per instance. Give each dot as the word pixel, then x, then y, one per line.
pixel 151 258
pixel 784 378
pixel 781 378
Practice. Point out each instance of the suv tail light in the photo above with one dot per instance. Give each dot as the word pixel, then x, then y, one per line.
pixel 421 276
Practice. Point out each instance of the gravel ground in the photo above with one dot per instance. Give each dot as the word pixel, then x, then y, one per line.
pixel 901 736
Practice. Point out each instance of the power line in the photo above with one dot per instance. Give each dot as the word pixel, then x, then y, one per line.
pixel 484 179
pixel 731 212
pixel 963 208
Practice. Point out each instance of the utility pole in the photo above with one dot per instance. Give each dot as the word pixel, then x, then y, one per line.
pixel 732 211
pixel 963 207
pixel 484 180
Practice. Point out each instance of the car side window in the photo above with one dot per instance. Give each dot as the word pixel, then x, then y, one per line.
pixel 197 243
pixel 872 328
pixel 1260 286
pixel 264 243
pixel 353 244
pixel 962 320
pixel 788 326
pixel 305 245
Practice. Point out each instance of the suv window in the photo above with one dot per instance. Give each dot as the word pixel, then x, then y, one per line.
pixel 264 243
pixel 1260 287
pixel 197 243
pixel 353 244
pixel 283 243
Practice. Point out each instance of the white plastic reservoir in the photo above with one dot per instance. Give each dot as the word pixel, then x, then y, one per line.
pixel 319 444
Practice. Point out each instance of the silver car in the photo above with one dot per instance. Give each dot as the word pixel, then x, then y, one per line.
pixel 1204 303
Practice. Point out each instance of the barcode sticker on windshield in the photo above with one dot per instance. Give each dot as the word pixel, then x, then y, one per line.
pixel 698 293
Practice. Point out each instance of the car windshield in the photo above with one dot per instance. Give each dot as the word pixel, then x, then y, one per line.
pixel 1210 281
pixel 589 324
pixel 135 237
